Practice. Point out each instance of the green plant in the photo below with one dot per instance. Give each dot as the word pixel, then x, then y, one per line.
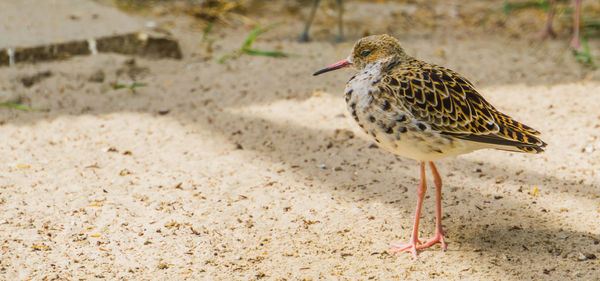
pixel 585 56
pixel 509 7
pixel 20 107
pixel 247 46
pixel 131 86
pixel 207 42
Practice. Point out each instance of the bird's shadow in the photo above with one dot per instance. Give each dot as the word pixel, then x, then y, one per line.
pixel 506 239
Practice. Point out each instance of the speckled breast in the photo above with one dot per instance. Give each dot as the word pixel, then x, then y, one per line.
pixel 391 126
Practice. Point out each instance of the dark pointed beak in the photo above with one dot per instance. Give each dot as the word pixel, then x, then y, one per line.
pixel 337 65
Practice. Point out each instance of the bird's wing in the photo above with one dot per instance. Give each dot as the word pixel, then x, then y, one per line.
pixel 449 102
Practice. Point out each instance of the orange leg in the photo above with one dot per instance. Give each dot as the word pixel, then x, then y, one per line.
pixel 414 238
pixel 439 232
pixel 576 43
pixel 548 31
pixel 415 244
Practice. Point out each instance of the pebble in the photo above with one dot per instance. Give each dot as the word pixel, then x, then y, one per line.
pixel 585 256
pixel 97 77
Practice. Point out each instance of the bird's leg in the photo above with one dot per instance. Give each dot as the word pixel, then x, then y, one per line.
pixel 547 31
pixel 576 43
pixel 340 36
pixel 414 238
pixel 304 37
pixel 439 232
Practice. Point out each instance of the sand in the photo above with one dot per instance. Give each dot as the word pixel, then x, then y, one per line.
pixel 253 169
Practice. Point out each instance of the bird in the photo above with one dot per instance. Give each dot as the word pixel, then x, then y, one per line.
pixel 340 37
pixel 547 31
pixel 424 112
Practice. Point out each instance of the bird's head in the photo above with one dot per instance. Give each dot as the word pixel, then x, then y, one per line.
pixel 369 50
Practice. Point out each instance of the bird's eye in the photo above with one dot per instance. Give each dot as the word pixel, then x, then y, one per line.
pixel 365 53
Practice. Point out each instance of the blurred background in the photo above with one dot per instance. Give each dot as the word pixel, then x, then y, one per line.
pixel 517 19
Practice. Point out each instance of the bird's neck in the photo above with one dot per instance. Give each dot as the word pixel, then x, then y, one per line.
pixel 385 64
pixel 374 68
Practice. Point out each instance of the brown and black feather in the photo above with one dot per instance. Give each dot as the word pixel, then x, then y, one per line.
pixel 449 102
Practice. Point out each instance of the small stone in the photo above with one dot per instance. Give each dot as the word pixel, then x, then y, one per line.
pixel 29 81
pixel 109 149
pixel 124 172
pixel 323 166
pixel 588 148
pixel 581 257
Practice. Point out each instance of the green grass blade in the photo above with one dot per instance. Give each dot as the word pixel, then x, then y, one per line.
pixel 587 23
pixel 258 30
pixel 131 86
pixel 251 37
pixel 246 47
pixel 207 30
pixel 225 57
pixel 268 53
pixel 19 107
pixel 137 85
pixel 509 7
pixel 585 57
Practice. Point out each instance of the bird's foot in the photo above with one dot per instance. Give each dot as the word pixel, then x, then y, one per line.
pixel 304 38
pixel 576 44
pixel 546 33
pixel 410 247
pixel 415 244
pixel 438 238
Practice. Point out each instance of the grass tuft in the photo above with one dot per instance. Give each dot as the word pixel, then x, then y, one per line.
pixel 509 7
pixel 131 87
pixel 247 46
pixel 20 107
pixel 585 56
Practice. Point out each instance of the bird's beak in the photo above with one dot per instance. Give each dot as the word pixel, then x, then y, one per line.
pixel 341 64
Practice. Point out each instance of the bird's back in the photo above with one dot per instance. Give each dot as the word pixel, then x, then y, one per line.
pixel 449 103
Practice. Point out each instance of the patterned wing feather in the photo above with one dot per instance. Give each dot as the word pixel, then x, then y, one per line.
pixel 449 102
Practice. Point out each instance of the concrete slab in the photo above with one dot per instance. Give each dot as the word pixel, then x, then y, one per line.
pixel 27 23
pixel 34 31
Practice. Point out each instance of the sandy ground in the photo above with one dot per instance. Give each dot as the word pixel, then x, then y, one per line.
pixel 252 169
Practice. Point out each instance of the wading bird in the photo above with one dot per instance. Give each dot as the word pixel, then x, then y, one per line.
pixel 424 112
